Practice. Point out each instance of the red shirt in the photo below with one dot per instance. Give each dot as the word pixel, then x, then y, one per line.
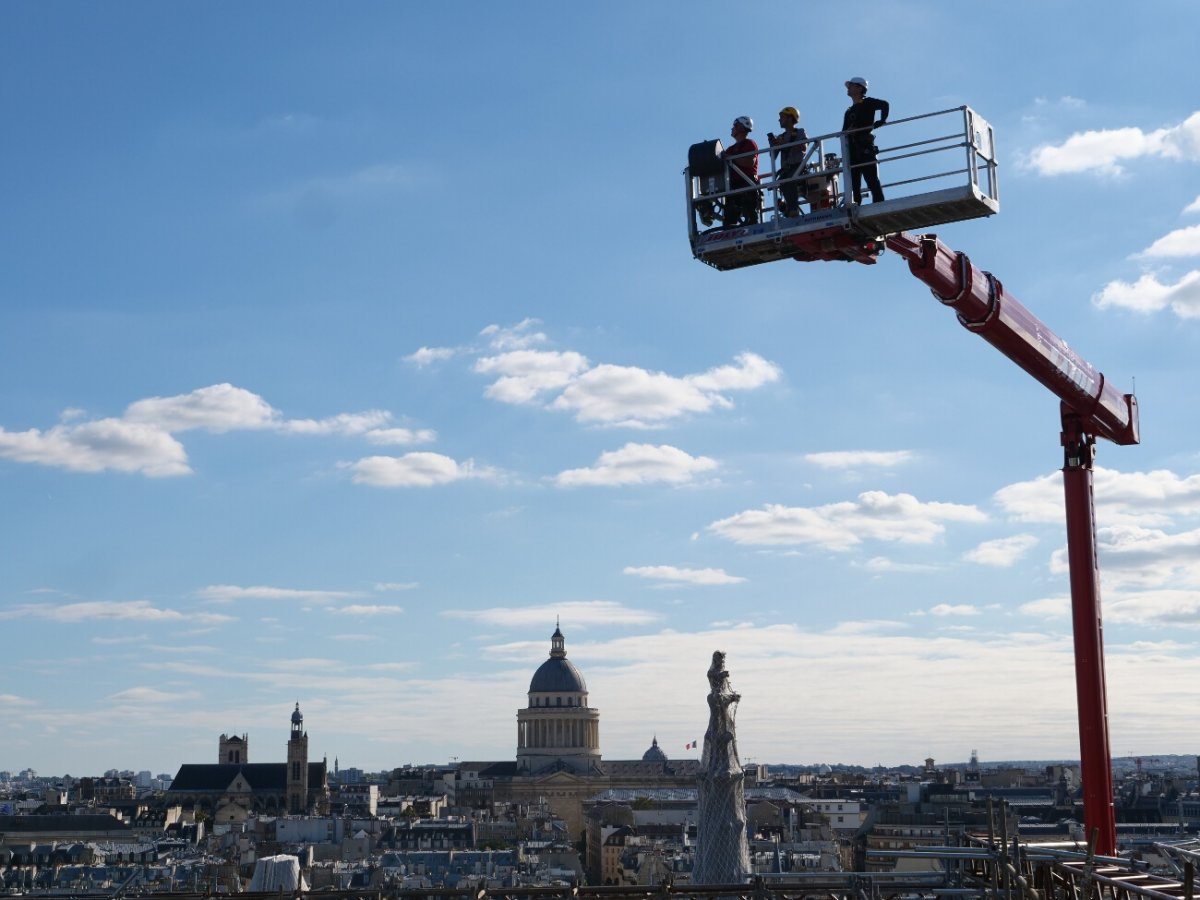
pixel 748 165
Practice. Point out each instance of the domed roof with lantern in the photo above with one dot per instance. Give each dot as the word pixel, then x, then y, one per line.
pixel 655 753
pixel 557 675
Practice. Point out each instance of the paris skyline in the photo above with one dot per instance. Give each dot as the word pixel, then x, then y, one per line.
pixel 344 354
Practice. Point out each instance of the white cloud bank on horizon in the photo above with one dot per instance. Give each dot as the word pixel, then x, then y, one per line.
pixel 467 712
pixel 1103 150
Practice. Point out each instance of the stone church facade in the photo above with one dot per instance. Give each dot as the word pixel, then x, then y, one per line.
pixel 234 788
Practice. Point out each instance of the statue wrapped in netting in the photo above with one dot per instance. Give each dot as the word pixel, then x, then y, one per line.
pixel 722 849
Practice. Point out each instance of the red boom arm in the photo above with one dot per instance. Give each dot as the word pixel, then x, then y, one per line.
pixel 984 307
pixel 1091 408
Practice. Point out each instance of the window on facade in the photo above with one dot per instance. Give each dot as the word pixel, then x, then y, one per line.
pixel 295 771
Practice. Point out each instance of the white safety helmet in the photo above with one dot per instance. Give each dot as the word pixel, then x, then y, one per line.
pixel 858 79
pixel 745 121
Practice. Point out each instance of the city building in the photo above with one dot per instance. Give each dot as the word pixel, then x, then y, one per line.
pixel 558 759
pixel 233 791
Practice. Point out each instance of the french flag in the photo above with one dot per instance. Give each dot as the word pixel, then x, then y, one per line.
pixel 689 746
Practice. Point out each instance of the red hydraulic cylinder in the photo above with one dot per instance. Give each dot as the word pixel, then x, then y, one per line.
pixel 984 307
pixel 1091 694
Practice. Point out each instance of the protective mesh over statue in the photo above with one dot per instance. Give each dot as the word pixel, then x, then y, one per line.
pixel 722 849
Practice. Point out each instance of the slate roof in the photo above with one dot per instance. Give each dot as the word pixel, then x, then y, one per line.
pixel 557 676
pixel 196 778
pixel 75 824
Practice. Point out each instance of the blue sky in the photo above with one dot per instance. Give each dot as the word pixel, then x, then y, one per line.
pixel 346 347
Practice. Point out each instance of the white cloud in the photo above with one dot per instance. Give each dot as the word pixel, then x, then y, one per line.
pixel 344 423
pixel 217 408
pixel 220 408
pixel 853 459
pixel 1164 608
pixel 401 436
pixel 875 515
pixel 1148 294
pixel 383 586
pixel 368 610
pixel 140 695
pixel 1193 207
pixel 1167 608
pixel 959 609
pixel 634 397
pixel 1001 552
pixel 516 337
pixel 1135 498
pixel 1180 242
pixel 607 394
pixel 638 464
pixel 1047 608
pixel 143 441
pixel 677 575
pixel 415 470
pixel 104 610
pixel 1102 151
pixel 1132 556
pixel 749 371
pixel 425 356
pixel 1066 102
pixel 99 446
pixel 884 564
pixel 579 613
pixel 227 593
pixel 525 375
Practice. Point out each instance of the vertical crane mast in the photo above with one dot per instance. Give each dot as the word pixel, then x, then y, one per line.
pixel 1090 408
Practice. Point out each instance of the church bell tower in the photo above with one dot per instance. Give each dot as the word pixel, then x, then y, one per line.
pixel 297 766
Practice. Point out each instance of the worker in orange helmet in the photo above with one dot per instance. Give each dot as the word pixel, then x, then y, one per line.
pixel 790 146
pixel 860 122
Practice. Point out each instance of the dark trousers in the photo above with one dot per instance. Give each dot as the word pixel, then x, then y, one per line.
pixel 790 192
pixel 742 209
pixel 863 165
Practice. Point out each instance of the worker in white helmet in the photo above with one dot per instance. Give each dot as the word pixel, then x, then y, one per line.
pixel 860 122
pixel 742 208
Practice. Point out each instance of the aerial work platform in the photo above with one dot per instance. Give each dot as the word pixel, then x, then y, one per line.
pixel 935 168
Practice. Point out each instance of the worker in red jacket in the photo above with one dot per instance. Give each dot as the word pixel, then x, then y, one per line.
pixel 742 209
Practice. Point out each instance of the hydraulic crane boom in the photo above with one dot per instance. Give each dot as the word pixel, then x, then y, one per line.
pixel 1090 408
pixel 985 308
